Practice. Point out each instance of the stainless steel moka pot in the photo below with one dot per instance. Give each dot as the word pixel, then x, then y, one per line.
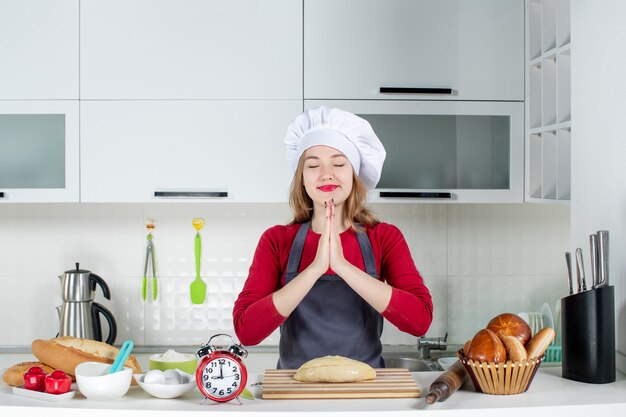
pixel 79 315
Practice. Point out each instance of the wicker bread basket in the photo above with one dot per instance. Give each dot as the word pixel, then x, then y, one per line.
pixel 501 378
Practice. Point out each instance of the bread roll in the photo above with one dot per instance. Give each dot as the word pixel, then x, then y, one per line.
pixel 466 347
pixel 14 376
pixel 334 369
pixel 515 351
pixel 66 352
pixel 487 347
pixel 508 324
pixel 540 342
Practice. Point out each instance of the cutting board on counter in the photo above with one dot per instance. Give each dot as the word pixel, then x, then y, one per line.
pixel 278 384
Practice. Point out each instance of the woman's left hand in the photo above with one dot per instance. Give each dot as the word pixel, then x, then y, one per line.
pixel 337 260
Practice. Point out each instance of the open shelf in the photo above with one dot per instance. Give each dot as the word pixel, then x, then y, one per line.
pixel 563 76
pixel 563 36
pixel 548 24
pixel 564 150
pixel 548 148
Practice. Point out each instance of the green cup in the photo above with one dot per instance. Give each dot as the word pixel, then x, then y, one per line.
pixel 186 366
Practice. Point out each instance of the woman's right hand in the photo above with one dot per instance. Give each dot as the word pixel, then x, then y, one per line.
pixel 321 262
pixel 287 298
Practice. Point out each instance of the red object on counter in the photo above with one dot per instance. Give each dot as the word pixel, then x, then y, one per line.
pixel 58 382
pixel 34 379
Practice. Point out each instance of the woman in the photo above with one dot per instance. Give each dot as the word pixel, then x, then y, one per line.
pixel 330 276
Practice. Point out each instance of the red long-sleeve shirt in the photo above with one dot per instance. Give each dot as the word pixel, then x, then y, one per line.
pixel 255 317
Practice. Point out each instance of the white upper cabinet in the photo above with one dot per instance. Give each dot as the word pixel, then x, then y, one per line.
pixel 193 49
pixel 353 48
pixel 196 150
pixel 39 151
pixel 38 49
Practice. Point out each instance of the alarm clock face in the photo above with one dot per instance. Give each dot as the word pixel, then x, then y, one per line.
pixel 221 378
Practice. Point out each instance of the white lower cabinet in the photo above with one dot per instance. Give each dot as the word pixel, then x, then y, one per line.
pixel 218 150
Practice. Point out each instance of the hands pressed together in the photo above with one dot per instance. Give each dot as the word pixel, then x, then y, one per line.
pixel 329 250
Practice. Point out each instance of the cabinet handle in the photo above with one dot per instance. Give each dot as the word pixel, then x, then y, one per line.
pixel 418 90
pixel 414 194
pixel 191 194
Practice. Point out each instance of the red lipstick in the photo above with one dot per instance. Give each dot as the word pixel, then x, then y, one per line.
pixel 328 188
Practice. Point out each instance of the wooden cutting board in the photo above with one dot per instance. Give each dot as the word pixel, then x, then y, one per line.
pixel 278 384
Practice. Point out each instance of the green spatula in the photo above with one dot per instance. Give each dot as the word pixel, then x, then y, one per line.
pixel 198 287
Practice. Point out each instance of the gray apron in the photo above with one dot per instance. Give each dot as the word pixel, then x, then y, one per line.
pixel 332 319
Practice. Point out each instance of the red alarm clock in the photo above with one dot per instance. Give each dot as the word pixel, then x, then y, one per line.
pixel 221 374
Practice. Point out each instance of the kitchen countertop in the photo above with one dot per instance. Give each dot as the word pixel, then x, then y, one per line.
pixel 549 394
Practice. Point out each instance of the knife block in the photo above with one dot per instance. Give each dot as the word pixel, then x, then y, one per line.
pixel 588 336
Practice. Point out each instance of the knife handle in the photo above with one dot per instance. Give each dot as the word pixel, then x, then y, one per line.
pixel 603 258
pixel 568 262
pixel 580 270
pixel 593 246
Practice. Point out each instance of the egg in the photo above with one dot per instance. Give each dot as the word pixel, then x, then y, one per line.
pixel 155 377
pixel 172 377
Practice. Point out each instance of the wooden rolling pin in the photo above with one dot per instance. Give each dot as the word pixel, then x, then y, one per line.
pixel 447 383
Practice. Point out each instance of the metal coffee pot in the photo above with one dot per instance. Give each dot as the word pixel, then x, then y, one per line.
pixel 79 315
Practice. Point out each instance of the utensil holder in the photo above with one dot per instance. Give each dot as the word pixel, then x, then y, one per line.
pixel 588 336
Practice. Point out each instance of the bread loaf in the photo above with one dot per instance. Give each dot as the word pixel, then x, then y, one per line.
pixel 508 324
pixel 66 352
pixel 466 347
pixel 487 347
pixel 334 369
pixel 14 376
pixel 515 351
pixel 540 342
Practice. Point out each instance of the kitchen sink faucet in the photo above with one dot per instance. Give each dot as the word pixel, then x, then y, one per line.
pixel 426 344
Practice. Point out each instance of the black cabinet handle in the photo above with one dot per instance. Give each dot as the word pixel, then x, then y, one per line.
pixel 191 194
pixel 417 90
pixel 414 194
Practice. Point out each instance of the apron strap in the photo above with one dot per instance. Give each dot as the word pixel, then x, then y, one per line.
pixel 368 253
pixel 296 249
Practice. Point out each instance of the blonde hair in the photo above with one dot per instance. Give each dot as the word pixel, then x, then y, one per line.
pixel 355 211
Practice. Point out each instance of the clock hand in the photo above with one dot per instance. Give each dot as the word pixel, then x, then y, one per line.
pixel 221 372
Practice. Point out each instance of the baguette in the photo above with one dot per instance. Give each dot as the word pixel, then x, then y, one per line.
pixel 14 376
pixel 66 352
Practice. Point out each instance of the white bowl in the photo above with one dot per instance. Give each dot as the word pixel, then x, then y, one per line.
pixel 96 384
pixel 447 362
pixel 168 390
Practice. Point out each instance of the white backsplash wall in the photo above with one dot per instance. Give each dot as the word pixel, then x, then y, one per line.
pixel 478 260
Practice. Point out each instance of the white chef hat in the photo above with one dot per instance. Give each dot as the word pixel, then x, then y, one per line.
pixel 344 131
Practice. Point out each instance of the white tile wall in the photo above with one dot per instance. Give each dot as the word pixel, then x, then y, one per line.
pixel 477 260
